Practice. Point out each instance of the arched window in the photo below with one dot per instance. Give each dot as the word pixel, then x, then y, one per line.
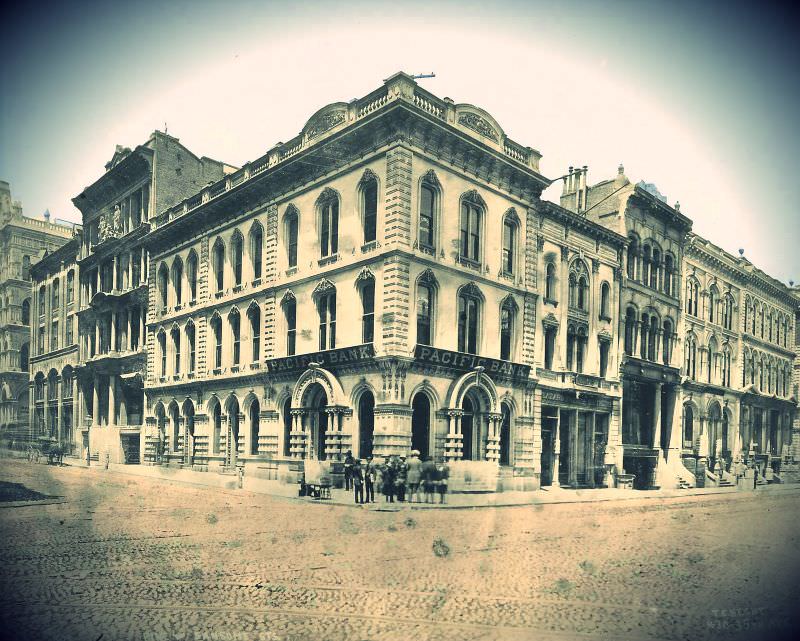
pixel 510 231
pixel 368 311
pixel 550 282
pixel 42 300
pixel 630 331
pixel 711 365
pixel 216 419
pixel 163 284
pixel 633 257
pixel 692 294
pixel 236 334
pixel 769 325
pixel 218 259
pixel 256 248
pixel 369 207
pixel 667 342
pixel 254 316
pixel 580 349
pixel 255 420
pixel 647 259
pixel 468 311
pixel 216 329
pixel 507 321
pixel 470 225
pixel 691 357
pixel 688 425
pixel 747 314
pixel 655 271
pixel 237 249
pixel 669 270
pixel 287 426
pixel 24 356
pixel 176 349
pixel 652 345
pixel 727 311
pixel 425 306
pixel 70 286
pixel 549 346
pixel 328 223
pixel 54 290
pixel 190 346
pixel 713 299
pixel 177 279
pixel 290 318
pixel 191 274
pixel 326 310
pixel 579 285
pixel 290 224
pixel 26 311
pixel 645 331
pixel 162 351
pixel 427 215
pixel 605 304
pixel 26 267
pixel 366 424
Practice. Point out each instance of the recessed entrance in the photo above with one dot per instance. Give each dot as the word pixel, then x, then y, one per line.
pixel 421 424
pixel 317 417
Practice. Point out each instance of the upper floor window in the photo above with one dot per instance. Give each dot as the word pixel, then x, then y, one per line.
pixel 176 349
pixel 579 285
pixel 290 317
pixel 633 258
pixel 162 351
pixel 667 341
pixel 469 304
pixel 26 267
pixel 216 329
pixel 328 204
pixel 691 357
pixel 368 311
pixel 424 314
pixel 727 311
pixel 256 248
pixel 655 270
pixel 42 300
pixel 549 345
pixel 369 204
pixel 254 316
pixel 510 229
pixel 472 209
pixel 290 225
pixel 190 345
pixel 605 304
pixel 692 294
pixel 604 348
pixel 713 300
pixel 237 249
pixel 550 282
pixel 163 284
pixel 177 280
pixel 54 294
pixel 236 334
pixel 70 287
pixel 191 274
pixel 630 331
pixel 218 260
pixel 26 311
pixel 427 214
pixel 669 271
pixel 507 317
pixel 326 309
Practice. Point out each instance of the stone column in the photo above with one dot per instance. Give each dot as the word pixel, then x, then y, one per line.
pixel 572 468
pixel 76 406
pixel 112 400
pixel 113 342
pixel 453 449
pixel 561 347
pixel 114 273
pixel 493 439
pixel 128 340
pixel 96 400
pixel 297 447
pixel 58 409
pixel 556 449
pixel 31 410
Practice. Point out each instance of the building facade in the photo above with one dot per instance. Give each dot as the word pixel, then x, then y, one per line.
pixel 113 298
pixel 23 241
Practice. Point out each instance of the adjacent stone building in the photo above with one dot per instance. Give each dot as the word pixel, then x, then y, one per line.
pixel 23 241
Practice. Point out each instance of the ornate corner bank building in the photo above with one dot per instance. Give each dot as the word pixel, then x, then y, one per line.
pixel 389 280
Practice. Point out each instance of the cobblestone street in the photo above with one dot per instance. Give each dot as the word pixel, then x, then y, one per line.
pixel 123 557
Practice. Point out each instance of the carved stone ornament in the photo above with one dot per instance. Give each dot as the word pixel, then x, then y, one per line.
pixel 511 214
pixel 550 320
pixel 428 278
pixel 564 252
pixel 366 177
pixel 472 196
pixel 323 287
pixel 539 242
pixel 327 195
pixel 510 302
pixel 288 297
pixel 325 122
pixel 595 265
pixel 471 289
pixel 478 124
pixel 431 178
pixel 365 275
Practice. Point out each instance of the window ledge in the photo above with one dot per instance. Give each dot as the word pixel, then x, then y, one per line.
pixel 256 282
pixel 291 271
pixel 219 294
pixel 237 288
pixel 192 303
pixel 234 369
pixel 328 260
pixel 190 375
pixel 176 377
pixel 255 365
pixel 605 317
pixel 216 371
pixel 370 246
pixel 468 262
pixel 551 301
pixel 427 249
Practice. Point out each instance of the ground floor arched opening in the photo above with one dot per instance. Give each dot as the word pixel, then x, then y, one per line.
pixel 421 424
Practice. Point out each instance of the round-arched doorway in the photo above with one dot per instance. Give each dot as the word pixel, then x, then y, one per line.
pixel 316 400
pixel 421 424
pixel 366 424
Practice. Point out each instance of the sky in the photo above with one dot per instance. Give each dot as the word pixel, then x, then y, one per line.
pixel 697 98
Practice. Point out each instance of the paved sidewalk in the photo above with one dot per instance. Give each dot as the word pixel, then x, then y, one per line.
pixel 459 500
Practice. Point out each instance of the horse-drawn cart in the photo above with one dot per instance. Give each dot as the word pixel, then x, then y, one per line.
pixel 48 449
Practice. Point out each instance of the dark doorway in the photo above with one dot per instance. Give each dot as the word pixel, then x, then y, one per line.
pixel 505 435
pixel 366 424
pixel 467 421
pixel 420 424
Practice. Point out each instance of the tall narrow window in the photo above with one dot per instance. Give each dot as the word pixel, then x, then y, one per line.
pixel 468 309
pixel 42 300
pixel 655 271
pixel 290 313
pixel 190 346
pixel 219 265
pixel 630 331
pixel 604 346
pixel 176 349
pixel 70 287
pixel 370 213
pixel 368 312
pixel 236 257
pixel 216 328
pixel 549 346
pixel 579 285
pixel 506 330
pixel 163 284
pixel 550 282
pixel 633 258
pixel 177 280
pixel 290 226
pixel 424 314
pixel 427 228
pixel 666 349
pixel 191 274
pixel 571 340
pixel 254 315
pixel 326 309
pixel 605 305
pixel 236 335
pixel 54 291
pixel 471 214
pixel 509 245
pixel 26 311
pixel 691 357
pixel 669 268
pixel 256 249
pixel 329 227
pixel 162 350
pixel 580 349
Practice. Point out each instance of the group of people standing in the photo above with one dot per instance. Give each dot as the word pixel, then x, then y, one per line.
pixel 396 478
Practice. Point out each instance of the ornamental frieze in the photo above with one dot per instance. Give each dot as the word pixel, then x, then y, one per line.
pixel 324 123
pixel 478 124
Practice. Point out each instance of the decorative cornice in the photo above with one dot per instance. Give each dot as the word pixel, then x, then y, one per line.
pixel 478 124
